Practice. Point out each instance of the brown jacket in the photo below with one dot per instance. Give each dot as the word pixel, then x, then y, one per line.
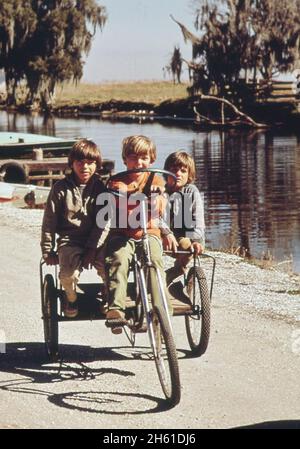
pixel 72 215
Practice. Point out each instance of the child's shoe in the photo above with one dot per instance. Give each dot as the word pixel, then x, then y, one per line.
pixel 116 320
pixel 70 309
pixel 70 305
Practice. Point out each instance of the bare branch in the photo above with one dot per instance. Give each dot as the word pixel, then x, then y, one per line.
pixel 247 119
pixel 187 35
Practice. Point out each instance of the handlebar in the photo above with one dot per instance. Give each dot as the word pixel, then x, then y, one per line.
pixel 141 170
pixel 147 188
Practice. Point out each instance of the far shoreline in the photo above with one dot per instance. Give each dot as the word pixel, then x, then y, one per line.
pixel 151 101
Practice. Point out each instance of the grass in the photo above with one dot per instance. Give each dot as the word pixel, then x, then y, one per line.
pixel 140 91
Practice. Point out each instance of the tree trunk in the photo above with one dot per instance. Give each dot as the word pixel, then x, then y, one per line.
pixel 222 113
pixel 10 84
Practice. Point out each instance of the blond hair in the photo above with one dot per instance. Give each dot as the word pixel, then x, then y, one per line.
pixel 140 145
pixel 85 149
pixel 181 158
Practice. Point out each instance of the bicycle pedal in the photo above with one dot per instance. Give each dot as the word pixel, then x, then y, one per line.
pixel 115 323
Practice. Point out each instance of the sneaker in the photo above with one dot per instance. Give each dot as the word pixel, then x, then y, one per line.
pixel 117 318
pixel 115 314
pixel 176 291
pixel 117 330
pixel 70 309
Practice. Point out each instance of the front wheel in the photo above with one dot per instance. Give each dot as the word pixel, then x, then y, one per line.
pixel 198 324
pixel 49 310
pixel 163 344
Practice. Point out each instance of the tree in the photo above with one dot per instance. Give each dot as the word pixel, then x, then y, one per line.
pixel 16 23
pixel 276 28
pixel 240 37
pixel 42 43
pixel 176 65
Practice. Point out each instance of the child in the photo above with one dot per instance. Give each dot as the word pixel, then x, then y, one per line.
pixel 186 216
pixel 138 152
pixel 71 213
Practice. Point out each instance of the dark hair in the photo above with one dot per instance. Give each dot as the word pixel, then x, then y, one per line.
pixel 181 158
pixel 85 149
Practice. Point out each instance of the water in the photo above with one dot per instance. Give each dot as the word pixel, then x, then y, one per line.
pixel 250 179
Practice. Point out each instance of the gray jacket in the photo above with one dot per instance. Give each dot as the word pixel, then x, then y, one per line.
pixel 185 213
pixel 72 215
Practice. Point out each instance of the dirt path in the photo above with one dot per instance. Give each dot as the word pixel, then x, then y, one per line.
pixel 249 374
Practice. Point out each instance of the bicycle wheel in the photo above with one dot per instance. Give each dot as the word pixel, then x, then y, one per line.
pixel 163 344
pixel 49 310
pixel 198 326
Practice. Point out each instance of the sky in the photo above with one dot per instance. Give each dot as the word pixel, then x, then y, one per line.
pixel 138 40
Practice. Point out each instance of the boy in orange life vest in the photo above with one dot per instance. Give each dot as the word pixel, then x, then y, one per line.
pixel 138 152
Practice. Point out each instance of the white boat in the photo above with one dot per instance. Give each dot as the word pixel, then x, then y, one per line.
pixel 23 194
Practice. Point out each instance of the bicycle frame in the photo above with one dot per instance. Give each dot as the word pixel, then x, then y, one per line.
pixel 146 256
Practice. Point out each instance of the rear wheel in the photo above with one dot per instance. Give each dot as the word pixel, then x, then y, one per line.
pixel 198 324
pixel 49 310
pixel 163 345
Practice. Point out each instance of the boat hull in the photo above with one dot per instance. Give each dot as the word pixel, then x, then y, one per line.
pixel 21 195
pixel 21 145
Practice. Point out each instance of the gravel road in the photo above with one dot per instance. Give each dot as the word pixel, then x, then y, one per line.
pixel 249 375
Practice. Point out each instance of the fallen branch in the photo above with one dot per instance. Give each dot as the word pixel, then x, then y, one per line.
pixel 228 123
pixel 246 119
pixel 206 119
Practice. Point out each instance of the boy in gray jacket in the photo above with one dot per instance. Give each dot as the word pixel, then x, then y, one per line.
pixel 71 213
pixel 186 216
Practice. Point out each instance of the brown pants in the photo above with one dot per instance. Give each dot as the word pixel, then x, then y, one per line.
pixel 70 267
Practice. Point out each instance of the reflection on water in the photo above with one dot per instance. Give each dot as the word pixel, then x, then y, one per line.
pixel 251 179
pixel 252 183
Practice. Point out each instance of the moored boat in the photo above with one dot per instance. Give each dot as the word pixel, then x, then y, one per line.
pixel 23 194
pixel 21 145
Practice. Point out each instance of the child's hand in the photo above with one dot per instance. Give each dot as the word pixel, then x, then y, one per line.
pixel 157 189
pixel 170 242
pixel 197 248
pixel 89 258
pixel 52 259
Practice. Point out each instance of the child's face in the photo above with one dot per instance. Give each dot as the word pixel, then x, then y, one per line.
pixel 84 169
pixel 182 176
pixel 135 161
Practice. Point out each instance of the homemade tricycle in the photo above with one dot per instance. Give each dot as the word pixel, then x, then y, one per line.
pixel 146 306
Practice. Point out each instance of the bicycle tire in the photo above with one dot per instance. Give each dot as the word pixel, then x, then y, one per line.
pixel 198 327
pixel 50 321
pixel 165 357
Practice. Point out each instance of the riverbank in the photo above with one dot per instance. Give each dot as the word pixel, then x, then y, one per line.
pixel 125 100
pixel 165 100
